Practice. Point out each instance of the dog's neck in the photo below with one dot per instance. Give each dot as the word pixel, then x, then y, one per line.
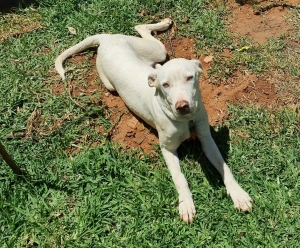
pixel 163 103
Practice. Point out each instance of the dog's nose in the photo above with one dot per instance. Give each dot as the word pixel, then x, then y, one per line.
pixel 183 107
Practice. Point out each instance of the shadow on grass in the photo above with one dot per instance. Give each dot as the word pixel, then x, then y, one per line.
pixel 193 150
pixel 41 181
pixel 190 149
pixel 11 5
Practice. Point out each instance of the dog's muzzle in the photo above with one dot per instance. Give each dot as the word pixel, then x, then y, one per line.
pixel 183 107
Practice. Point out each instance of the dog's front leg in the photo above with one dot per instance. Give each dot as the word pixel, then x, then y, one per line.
pixel 186 205
pixel 240 198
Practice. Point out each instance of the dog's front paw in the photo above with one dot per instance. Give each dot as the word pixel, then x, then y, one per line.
pixel 241 199
pixel 187 209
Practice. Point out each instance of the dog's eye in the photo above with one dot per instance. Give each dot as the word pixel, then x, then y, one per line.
pixel 166 85
pixel 189 78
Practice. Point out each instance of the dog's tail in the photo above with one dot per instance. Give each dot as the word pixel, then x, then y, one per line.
pixel 86 43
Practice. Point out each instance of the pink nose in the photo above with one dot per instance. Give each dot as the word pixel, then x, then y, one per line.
pixel 183 107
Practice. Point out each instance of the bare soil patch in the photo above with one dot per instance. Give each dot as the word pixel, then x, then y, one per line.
pixel 13 25
pixel 259 24
pixel 260 20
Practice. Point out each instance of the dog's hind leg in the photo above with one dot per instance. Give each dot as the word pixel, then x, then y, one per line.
pixel 149 48
pixel 104 79
pixel 145 29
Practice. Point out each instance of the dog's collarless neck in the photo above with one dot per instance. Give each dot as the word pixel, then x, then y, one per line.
pixel 164 106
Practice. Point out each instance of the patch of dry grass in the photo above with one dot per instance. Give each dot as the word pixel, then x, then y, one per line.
pixel 287 88
pixel 12 25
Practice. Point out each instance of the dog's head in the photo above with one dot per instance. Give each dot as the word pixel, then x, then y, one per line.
pixel 177 83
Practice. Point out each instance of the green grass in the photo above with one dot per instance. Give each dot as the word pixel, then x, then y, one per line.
pixel 107 197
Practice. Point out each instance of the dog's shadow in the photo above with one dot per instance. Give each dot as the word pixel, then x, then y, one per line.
pixel 192 149
pixel 11 5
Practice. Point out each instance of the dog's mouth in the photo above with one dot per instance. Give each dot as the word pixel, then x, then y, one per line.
pixel 184 111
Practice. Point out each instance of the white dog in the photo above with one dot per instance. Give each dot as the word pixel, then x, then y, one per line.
pixel 166 97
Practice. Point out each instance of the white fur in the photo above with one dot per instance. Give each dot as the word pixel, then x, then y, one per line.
pixel 166 97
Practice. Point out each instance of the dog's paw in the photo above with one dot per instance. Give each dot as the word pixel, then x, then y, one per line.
pixel 187 211
pixel 242 201
pixel 167 21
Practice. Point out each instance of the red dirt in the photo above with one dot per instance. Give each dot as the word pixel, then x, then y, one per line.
pixel 128 130
pixel 257 25
pixel 242 88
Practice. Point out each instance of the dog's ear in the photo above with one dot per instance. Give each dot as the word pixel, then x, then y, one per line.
pixel 152 80
pixel 198 65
